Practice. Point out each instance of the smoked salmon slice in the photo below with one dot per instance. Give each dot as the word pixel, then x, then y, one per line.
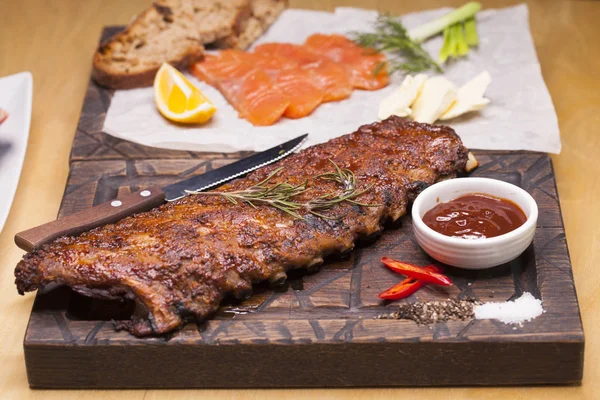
pixel 249 89
pixel 301 54
pixel 272 64
pixel 302 92
pixel 228 64
pixel 295 83
pixel 257 99
pixel 360 63
pixel 331 78
pixel 291 79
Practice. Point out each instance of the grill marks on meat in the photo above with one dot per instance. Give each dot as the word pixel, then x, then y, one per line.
pixel 180 259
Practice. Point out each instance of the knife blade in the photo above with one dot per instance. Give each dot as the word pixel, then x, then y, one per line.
pixel 148 198
pixel 242 167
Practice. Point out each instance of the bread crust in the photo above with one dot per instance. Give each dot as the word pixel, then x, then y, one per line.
pixel 249 20
pixel 129 80
pixel 263 14
pixel 142 79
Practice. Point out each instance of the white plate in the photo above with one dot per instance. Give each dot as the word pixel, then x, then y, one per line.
pixel 16 92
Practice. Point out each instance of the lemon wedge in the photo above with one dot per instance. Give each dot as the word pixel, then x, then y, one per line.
pixel 178 100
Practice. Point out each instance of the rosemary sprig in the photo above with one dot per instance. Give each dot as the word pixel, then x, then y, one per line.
pixel 391 36
pixel 280 195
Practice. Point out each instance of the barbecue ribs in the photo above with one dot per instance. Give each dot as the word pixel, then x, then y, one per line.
pixel 180 259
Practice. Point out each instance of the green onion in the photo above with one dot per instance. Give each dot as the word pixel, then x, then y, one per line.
pixel 446 49
pixel 432 28
pixel 461 41
pixel 471 32
pixel 453 45
pixel 458 37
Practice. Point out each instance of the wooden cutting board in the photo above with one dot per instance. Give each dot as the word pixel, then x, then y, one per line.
pixel 319 330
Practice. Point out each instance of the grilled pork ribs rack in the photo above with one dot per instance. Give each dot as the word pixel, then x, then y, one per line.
pixel 181 259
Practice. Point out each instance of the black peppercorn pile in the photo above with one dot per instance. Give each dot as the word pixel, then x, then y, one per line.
pixel 434 311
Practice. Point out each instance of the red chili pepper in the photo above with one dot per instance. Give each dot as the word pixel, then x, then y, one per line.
pixel 416 272
pixel 402 289
pixel 433 268
pixel 406 287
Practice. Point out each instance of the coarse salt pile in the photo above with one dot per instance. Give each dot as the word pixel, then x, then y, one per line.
pixel 520 310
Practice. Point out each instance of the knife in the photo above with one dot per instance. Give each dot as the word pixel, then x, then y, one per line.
pixel 146 199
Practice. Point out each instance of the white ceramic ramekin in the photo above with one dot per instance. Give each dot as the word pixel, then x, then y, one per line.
pixel 476 253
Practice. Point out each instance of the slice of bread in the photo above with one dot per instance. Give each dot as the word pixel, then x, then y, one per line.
pixel 131 58
pixel 216 19
pixel 172 31
pixel 264 13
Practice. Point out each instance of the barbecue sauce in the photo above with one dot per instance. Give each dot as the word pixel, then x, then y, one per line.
pixel 475 216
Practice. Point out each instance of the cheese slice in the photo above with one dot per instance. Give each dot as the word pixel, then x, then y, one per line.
pixel 438 94
pixel 399 102
pixel 470 97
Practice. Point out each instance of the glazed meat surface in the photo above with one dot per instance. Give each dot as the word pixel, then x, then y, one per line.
pixel 181 259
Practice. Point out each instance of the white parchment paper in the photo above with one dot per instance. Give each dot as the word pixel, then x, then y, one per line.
pixel 520 117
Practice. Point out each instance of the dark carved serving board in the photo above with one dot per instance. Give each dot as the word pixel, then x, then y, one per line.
pixel 319 329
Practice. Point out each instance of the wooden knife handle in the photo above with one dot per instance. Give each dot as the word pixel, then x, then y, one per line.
pixel 85 220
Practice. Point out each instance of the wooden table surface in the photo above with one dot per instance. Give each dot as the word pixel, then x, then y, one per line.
pixel 55 39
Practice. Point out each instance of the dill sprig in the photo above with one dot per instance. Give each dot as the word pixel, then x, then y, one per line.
pixel 392 37
pixel 281 195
